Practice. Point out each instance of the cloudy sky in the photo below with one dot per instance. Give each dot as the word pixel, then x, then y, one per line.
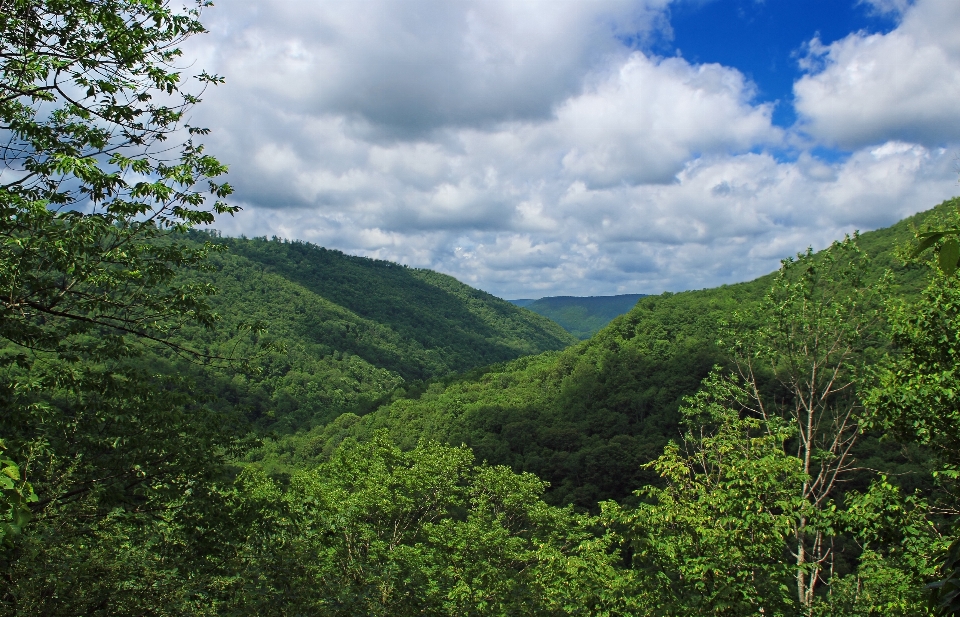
pixel 582 147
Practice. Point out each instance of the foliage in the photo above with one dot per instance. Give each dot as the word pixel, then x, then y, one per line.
pixel 915 389
pixel 713 540
pixel 381 531
pixel 584 424
pixel 810 337
pixel 947 589
pixel 93 203
pixel 89 94
pixel 17 494
pixel 899 547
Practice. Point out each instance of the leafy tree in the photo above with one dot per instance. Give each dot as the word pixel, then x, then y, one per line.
pixel 899 545
pixel 713 540
pixel 102 176
pixel 916 389
pixel 381 531
pixel 89 96
pixel 801 355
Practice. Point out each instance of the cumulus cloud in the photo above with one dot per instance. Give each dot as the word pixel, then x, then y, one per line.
pixel 402 68
pixel 522 148
pixel 643 123
pixel 867 88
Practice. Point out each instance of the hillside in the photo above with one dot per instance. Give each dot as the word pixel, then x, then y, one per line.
pixel 349 330
pixel 581 316
pixel 585 419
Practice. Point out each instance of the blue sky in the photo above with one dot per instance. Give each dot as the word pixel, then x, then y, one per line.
pixel 582 147
pixel 764 39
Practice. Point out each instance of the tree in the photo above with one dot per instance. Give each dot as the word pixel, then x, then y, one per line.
pixel 916 395
pixel 712 541
pixel 92 194
pixel 381 531
pixel 898 545
pixel 101 177
pixel 801 356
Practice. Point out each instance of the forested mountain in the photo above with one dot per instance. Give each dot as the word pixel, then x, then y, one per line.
pixel 586 419
pixel 581 316
pixel 346 331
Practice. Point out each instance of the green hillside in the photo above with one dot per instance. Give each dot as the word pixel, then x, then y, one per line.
pixel 350 330
pixel 585 419
pixel 581 316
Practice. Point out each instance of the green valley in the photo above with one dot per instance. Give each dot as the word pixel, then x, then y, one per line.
pixel 586 419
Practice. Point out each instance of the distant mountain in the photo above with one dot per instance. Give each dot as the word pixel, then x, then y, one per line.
pixel 524 302
pixel 581 316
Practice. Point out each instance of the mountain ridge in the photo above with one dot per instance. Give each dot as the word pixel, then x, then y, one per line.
pixel 352 330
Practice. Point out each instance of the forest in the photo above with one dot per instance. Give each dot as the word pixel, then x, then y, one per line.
pixel 201 425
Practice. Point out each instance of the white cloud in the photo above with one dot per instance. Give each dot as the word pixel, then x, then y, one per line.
pixel 404 68
pixel 868 88
pixel 643 123
pixel 522 149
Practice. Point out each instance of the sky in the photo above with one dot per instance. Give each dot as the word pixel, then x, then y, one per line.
pixel 581 147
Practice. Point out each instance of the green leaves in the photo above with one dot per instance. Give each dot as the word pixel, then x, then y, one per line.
pixel 926 241
pixel 100 180
pixel 948 254
pixel 948 257
pixel 15 496
pixel 713 541
pixel 90 202
pixel 381 531
pixel 947 589
pixel 914 393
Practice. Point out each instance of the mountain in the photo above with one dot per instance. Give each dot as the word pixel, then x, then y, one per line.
pixel 588 417
pixel 344 331
pixel 581 316
pixel 522 302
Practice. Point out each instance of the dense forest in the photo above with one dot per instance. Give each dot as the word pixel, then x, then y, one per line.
pixel 199 425
pixel 341 334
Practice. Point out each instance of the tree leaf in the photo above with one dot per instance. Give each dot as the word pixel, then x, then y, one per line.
pixel 949 255
pixel 926 241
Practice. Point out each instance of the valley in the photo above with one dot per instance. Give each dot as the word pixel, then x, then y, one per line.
pixel 355 436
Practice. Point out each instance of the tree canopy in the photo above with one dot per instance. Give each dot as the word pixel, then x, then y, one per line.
pixel 101 177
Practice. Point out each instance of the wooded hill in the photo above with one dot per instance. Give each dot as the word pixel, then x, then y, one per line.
pixel 166 503
pixel 345 332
